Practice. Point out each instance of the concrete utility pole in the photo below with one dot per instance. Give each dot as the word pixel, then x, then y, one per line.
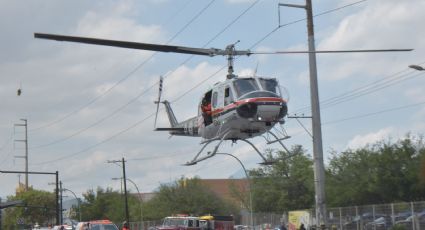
pixel 61 202
pixel 26 150
pixel 319 169
pixel 127 218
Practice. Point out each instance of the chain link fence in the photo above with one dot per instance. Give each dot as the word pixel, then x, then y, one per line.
pixel 394 216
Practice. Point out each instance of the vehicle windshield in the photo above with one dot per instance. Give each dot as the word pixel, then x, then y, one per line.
pixel 270 85
pixel 174 222
pixel 244 86
pixel 103 227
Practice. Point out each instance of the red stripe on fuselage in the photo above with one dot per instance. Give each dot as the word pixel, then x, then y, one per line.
pixel 245 101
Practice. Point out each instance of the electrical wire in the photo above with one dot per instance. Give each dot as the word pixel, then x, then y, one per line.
pixel 127 75
pixel 365 90
pixel 374 113
pixel 139 122
pixel 150 87
pixel 152 114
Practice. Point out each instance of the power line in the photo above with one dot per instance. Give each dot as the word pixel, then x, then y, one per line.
pixel 178 98
pixel 164 75
pixel 126 76
pixel 366 89
pixel 375 113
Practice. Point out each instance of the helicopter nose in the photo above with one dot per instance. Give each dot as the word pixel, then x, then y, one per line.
pixel 248 110
pixel 271 112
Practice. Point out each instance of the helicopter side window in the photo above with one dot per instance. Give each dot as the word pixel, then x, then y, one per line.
pixel 228 96
pixel 270 85
pixel 244 86
pixel 214 99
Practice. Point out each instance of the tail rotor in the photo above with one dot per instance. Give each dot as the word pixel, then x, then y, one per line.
pixel 159 99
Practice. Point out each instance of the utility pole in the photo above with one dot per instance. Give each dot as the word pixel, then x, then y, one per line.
pixel 127 218
pixel 61 202
pixel 319 169
pixel 26 151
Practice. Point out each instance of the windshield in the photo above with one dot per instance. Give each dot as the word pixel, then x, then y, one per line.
pixel 103 227
pixel 244 86
pixel 270 85
pixel 174 222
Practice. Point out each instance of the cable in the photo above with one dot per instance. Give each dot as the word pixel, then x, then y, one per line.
pixel 375 113
pixel 126 76
pixel 141 121
pixel 150 87
pixel 364 90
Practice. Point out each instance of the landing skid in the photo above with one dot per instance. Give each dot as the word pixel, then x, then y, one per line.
pixel 197 159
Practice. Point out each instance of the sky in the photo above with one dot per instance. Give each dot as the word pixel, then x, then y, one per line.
pixel 86 105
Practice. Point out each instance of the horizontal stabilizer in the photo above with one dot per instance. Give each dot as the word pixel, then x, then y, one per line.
pixel 169 129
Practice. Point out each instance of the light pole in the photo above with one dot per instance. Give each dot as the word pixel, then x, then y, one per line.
pixel 139 195
pixel 78 202
pixel 249 183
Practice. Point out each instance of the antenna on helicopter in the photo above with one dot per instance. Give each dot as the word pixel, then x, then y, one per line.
pixel 159 99
pixel 255 70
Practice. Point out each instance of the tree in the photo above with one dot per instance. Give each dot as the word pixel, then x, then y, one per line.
pixel 39 207
pixel 186 196
pixel 108 204
pixel 285 185
pixel 380 173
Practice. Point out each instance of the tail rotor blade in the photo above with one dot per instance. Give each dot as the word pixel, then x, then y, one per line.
pixel 159 99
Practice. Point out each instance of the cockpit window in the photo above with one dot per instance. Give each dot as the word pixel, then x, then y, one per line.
pixel 245 85
pixel 270 85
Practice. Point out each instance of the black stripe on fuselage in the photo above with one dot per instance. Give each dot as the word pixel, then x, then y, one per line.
pixel 257 102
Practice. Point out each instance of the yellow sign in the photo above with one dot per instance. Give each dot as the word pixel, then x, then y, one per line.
pixel 296 218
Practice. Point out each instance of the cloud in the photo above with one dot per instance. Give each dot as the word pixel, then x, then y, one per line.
pixel 380 25
pixel 360 141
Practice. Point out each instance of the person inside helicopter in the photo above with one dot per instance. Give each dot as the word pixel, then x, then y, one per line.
pixel 206 108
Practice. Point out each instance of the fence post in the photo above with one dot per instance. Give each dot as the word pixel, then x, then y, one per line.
pixel 340 219
pixel 412 209
pixel 358 220
pixel 392 214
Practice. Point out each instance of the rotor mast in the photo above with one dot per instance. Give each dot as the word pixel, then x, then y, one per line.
pixel 230 52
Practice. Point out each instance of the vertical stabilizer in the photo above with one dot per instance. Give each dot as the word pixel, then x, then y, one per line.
pixel 170 113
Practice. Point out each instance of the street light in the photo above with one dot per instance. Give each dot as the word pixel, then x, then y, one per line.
pixel 78 202
pixel 417 67
pixel 249 183
pixel 139 195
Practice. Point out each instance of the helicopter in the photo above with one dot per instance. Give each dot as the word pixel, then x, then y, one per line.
pixel 238 108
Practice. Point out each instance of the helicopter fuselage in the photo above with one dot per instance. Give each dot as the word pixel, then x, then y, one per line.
pixel 239 108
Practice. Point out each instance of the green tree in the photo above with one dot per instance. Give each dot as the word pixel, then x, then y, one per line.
pixel 39 207
pixel 108 204
pixel 380 173
pixel 285 185
pixel 187 196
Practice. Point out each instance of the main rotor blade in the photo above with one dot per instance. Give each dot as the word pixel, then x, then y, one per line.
pixel 131 45
pixel 334 51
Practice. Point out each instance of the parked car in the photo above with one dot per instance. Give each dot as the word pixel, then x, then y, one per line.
pixel 380 223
